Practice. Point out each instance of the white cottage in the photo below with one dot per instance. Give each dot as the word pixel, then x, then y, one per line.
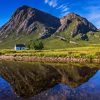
pixel 20 47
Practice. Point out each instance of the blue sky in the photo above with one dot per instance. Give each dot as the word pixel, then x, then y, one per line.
pixel 86 8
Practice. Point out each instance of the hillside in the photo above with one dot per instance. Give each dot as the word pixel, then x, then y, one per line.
pixel 29 24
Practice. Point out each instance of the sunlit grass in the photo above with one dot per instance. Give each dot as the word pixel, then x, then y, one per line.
pixel 83 52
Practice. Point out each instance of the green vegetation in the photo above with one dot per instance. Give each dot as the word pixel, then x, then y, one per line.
pixel 78 52
pixel 56 43
pixel 37 45
pixel 52 42
pixel 10 41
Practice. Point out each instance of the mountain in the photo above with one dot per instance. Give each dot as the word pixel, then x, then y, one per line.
pixel 30 20
pixel 77 25
pixel 28 24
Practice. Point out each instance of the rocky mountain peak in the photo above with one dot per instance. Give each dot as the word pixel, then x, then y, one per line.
pixel 24 7
pixel 31 20
pixel 25 10
pixel 70 16
pixel 80 24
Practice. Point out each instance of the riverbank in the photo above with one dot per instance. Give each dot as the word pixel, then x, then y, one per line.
pixel 50 59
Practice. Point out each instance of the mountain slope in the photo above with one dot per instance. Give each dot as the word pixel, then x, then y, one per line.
pixel 30 20
pixel 74 24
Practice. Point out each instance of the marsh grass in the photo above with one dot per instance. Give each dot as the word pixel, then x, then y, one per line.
pixel 80 52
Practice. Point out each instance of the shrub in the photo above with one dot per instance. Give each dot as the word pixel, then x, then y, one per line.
pixel 38 45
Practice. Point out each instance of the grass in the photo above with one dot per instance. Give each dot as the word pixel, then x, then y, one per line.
pixel 56 43
pixel 77 52
pixel 10 42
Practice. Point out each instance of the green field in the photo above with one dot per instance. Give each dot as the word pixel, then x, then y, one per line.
pixel 83 52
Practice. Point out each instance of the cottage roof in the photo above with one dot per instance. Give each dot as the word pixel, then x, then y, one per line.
pixel 20 45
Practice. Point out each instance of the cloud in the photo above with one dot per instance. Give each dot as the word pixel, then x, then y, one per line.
pixel 59 6
pixel 95 18
pixel 94 15
pixel 46 1
pixel 51 3
pixel 64 9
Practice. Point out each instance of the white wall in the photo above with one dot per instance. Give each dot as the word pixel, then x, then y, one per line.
pixel 19 48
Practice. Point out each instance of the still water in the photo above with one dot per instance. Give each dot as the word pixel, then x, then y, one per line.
pixel 40 81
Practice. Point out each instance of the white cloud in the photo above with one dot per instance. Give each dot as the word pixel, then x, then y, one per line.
pixel 95 18
pixel 61 8
pixel 94 15
pixel 46 1
pixel 51 3
pixel 64 9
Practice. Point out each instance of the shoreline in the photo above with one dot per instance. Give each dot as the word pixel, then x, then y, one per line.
pixel 49 59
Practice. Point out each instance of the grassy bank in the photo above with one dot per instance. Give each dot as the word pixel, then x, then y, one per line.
pixel 79 52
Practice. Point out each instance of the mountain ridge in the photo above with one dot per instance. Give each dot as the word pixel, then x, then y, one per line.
pixel 28 24
pixel 30 15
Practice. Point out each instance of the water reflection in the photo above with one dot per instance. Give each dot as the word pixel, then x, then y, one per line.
pixel 6 92
pixel 87 91
pixel 36 81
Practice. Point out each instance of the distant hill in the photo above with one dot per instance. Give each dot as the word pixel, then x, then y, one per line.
pixel 28 24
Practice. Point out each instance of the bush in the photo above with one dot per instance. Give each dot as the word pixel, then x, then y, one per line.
pixel 38 45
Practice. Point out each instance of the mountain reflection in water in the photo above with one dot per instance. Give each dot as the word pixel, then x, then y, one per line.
pixel 89 90
pixel 28 81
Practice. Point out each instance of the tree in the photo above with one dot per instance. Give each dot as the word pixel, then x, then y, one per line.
pixel 38 45
pixel 30 44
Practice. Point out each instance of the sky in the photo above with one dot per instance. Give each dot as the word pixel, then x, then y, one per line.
pixel 89 9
